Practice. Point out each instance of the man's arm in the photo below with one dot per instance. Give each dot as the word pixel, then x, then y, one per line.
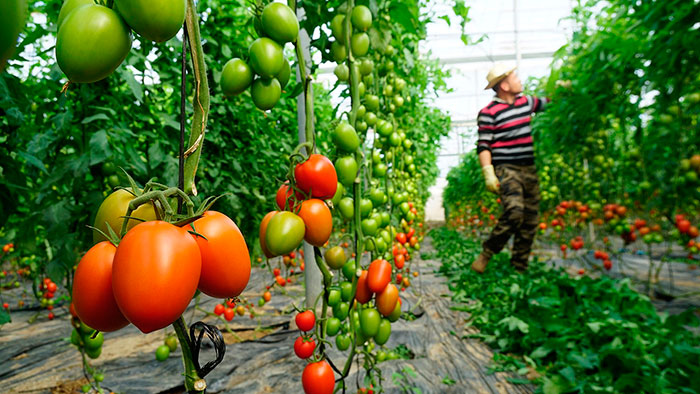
pixel 539 103
pixel 483 149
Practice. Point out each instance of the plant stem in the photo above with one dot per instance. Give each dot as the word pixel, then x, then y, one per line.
pixel 191 375
pixel 200 102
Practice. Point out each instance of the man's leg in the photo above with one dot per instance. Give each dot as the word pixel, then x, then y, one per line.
pixel 511 194
pixel 522 243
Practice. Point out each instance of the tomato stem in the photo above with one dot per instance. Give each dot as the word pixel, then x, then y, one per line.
pixel 200 102
pixel 191 376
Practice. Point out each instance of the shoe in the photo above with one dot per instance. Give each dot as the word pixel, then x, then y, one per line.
pixel 479 265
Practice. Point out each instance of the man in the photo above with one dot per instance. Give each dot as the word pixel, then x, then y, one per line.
pixel 508 164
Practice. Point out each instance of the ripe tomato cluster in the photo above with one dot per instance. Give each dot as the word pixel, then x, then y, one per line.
pixel 151 276
pixel 47 289
pixel 109 30
pixel 281 232
pixel 276 25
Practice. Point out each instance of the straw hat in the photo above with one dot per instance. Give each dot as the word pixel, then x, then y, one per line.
pixel 497 73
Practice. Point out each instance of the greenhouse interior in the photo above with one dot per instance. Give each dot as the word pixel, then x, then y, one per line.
pixel 349 196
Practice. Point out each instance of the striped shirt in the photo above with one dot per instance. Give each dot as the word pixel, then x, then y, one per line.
pixel 504 129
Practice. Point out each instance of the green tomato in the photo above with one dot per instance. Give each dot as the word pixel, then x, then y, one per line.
pixel 261 302
pixel 347 208
pixel 90 60
pixel 332 326
pixel 379 171
pixel 369 322
pixel 338 27
pixel 366 66
pixel 361 125
pixel 361 18
pixel 93 353
pixel 285 231
pixel 338 52
pixel 349 269
pixel 236 77
pixel 359 43
pixel 171 341
pixel 371 118
pixel 386 129
pixel 342 342
pixel 266 57
pixel 365 207
pixel 383 332
pixel 395 139
pixel 361 111
pixel 395 314
pixel 361 88
pixel 342 72
pixel 376 196
pixel 376 157
pixel 341 310
pixel 347 168
pixel 333 297
pixel 94 343
pixel 410 216
pixel 398 102
pixel 280 23
pixel 99 377
pixel 346 290
pixel 339 191
pixel 162 353
pixel 345 137
pixel 67 7
pixel 76 339
pixel 369 227
pixel 335 257
pixel 381 356
pixel 156 20
pixel 381 244
pixel 372 102
pixel 283 76
pixel 266 93
pixel 385 234
pixel 86 388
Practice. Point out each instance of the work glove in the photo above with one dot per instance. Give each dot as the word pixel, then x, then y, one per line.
pixel 492 184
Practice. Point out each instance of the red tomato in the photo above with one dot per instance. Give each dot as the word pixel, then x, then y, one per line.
pixel 280 280
pixel 93 297
pixel 318 221
pixel 411 232
pixel 378 275
pixel 225 258
pixel 363 293
pixel 284 193
pixel 318 378
pixel 218 309
pixel 607 264
pixel 229 313
pixel 317 177
pixel 387 299
pixel 263 230
pixel 305 321
pixel 155 274
pixel 51 288
pixel 399 261
pixel 276 272
pixel 401 238
pixel 304 348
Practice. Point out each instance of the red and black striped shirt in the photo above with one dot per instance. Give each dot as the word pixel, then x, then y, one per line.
pixel 504 129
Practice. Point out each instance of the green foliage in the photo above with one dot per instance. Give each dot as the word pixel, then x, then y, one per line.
pixel 583 334
pixel 631 113
pixel 54 147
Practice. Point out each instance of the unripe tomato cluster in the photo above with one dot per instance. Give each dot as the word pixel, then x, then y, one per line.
pixel 109 29
pixel 169 345
pixel 276 25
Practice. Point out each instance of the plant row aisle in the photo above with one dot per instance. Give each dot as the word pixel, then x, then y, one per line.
pixel 168 193
pixel 611 300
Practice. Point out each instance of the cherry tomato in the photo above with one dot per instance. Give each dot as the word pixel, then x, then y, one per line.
pixel 317 220
pixel 155 274
pixel 318 378
pixel 305 321
pixel 304 348
pixel 225 258
pixel 317 177
pixel 93 297
pixel 219 309
pixel 335 257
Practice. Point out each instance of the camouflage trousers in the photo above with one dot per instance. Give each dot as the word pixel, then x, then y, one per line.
pixel 520 197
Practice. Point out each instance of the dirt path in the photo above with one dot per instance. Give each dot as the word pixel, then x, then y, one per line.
pixel 38 358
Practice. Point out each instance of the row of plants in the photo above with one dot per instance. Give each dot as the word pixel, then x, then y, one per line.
pixel 569 334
